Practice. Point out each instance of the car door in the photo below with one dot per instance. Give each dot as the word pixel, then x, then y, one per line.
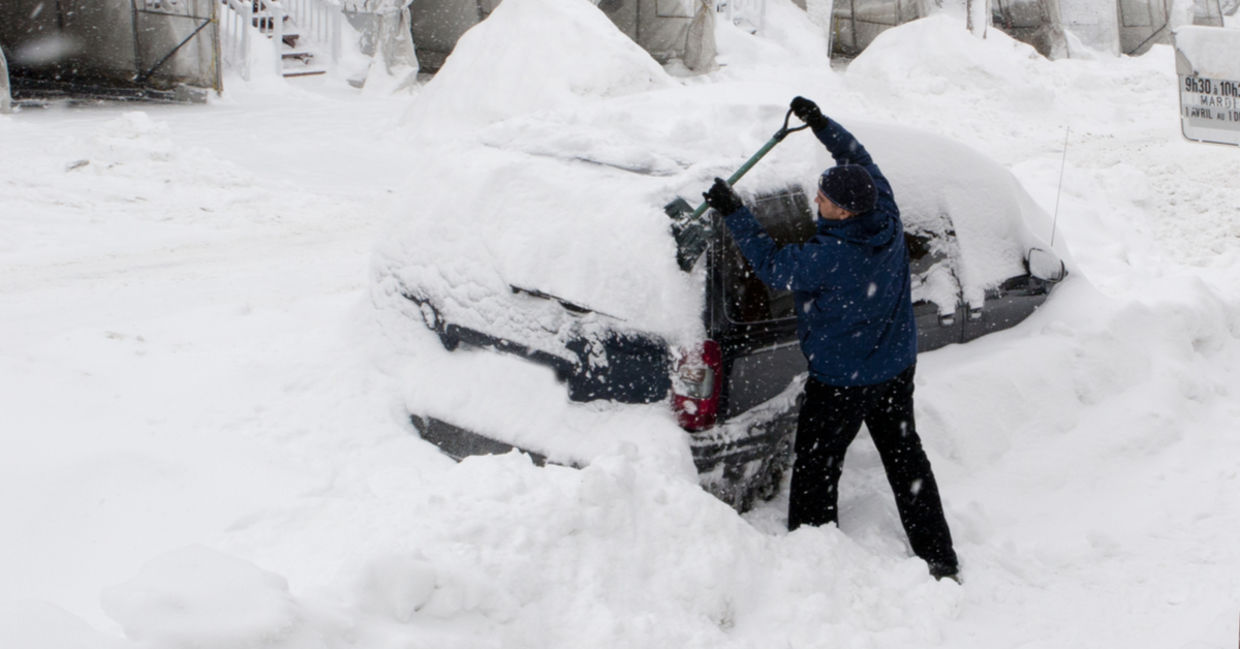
pixel 754 325
pixel 1005 305
pixel 933 252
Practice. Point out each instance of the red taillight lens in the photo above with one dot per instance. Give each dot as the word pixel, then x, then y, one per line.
pixel 695 386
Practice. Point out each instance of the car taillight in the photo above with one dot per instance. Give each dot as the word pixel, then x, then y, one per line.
pixel 695 386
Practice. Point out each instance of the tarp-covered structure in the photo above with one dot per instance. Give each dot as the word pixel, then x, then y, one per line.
pixel 1035 22
pixel 121 47
pixel 1114 26
pixel 385 30
pixel 5 100
pixel 667 29
pixel 1143 23
pixel 856 23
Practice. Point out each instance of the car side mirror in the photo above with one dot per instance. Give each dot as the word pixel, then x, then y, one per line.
pixel 1045 265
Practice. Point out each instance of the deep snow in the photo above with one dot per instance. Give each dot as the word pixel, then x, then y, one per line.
pixel 204 423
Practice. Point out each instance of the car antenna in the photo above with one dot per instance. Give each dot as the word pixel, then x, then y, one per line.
pixel 1059 189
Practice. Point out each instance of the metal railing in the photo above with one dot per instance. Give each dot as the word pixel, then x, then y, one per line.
pixel 318 22
pixel 236 25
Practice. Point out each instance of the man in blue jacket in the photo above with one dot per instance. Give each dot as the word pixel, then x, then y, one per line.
pixel 855 323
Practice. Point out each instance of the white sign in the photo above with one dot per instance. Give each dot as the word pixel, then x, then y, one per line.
pixel 1207 60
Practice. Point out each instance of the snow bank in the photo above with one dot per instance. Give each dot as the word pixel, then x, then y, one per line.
pixel 41 625
pixel 531 55
pixel 125 162
pixel 617 555
pixel 198 598
pixel 936 56
pixel 496 552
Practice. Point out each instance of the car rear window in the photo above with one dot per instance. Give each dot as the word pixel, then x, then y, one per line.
pixel 786 216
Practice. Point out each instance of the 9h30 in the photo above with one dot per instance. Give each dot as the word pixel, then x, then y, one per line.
pixel 1211 87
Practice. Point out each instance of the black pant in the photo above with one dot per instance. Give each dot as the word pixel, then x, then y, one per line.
pixel 830 418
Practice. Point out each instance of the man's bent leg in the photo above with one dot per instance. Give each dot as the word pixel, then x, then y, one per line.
pixel 829 420
pixel 891 426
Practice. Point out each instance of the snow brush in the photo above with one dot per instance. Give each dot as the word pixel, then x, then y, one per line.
pixel 691 231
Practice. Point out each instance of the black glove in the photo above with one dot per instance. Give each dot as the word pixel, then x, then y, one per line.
pixel 809 113
pixel 722 198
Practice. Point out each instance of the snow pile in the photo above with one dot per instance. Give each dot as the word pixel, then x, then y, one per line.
pixel 937 56
pixel 498 552
pixel 531 55
pixel 787 35
pixel 617 555
pixel 40 625
pixel 122 164
pixel 197 598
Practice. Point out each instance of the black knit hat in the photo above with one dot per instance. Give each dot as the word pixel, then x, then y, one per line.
pixel 850 187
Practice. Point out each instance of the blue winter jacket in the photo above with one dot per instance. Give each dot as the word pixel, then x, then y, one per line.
pixel 850 281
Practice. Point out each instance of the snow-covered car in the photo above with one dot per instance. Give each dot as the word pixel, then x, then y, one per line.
pixel 547 246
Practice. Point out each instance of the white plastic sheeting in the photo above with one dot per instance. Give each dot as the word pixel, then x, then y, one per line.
pixel 856 23
pixel 385 34
pixel 5 100
pixel 156 44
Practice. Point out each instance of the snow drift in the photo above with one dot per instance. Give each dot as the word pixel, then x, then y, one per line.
pixel 531 55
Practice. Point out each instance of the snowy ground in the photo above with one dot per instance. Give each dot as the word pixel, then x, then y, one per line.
pixel 206 445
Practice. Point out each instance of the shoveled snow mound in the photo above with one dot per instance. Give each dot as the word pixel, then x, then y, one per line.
pixel 198 598
pixel 497 70
pixel 936 56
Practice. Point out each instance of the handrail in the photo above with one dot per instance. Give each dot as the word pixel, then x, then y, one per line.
pixel 235 29
pixel 320 20
pixel 317 21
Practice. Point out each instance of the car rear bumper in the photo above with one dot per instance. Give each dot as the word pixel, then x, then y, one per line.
pixel 737 461
pixel 459 443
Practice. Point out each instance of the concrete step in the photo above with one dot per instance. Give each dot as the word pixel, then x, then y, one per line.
pixel 304 72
